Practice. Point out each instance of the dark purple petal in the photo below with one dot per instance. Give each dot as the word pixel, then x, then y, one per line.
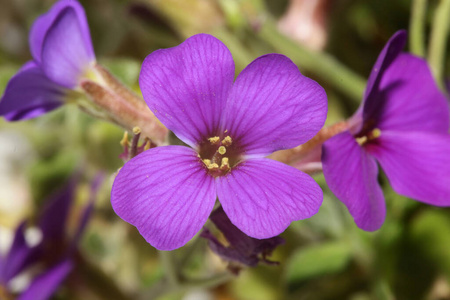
pixel 45 22
pixel 166 193
pixel 351 174
pixel 66 53
pixel 242 248
pixel 272 106
pixel 30 94
pixel 54 215
pixel 409 99
pixel 186 86
pixel 390 51
pixel 46 284
pixel 19 256
pixel 262 196
pixel 417 164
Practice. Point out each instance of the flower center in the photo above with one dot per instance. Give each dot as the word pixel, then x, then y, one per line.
pixel 219 154
pixel 371 135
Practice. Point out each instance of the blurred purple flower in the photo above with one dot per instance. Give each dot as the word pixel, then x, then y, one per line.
pixel 54 253
pixel 403 124
pixel 242 248
pixel 169 192
pixel 62 51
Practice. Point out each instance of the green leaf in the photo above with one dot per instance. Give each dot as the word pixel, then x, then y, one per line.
pixel 317 260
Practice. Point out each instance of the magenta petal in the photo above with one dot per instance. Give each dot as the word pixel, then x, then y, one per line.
pixel 30 94
pixel 66 50
pixel 417 164
pixel 46 284
pixel 272 106
pixel 390 51
pixel 409 99
pixel 42 25
pixel 351 174
pixel 166 193
pixel 262 196
pixel 186 86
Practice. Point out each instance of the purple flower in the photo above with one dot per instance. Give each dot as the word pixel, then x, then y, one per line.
pixel 168 192
pixel 62 51
pixel 55 251
pixel 403 124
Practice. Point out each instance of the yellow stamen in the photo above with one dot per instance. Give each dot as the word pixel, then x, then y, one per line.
pixel 136 130
pixel 376 133
pixel 207 162
pixel 222 150
pixel 361 140
pixel 227 141
pixel 213 166
pixel 124 141
pixel 214 139
pixel 147 145
pixel 224 166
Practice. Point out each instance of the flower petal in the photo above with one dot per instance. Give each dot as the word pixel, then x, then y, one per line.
pixel 42 25
pixel 158 191
pixel 46 284
pixel 30 94
pixel 390 51
pixel 186 86
pixel 351 174
pixel 417 164
pixel 262 196
pixel 409 99
pixel 67 49
pixel 19 256
pixel 272 106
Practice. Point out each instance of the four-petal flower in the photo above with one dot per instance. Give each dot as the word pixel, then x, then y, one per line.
pixel 168 192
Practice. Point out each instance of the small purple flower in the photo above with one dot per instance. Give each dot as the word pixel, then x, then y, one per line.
pixel 403 124
pixel 169 192
pixel 62 51
pixel 54 253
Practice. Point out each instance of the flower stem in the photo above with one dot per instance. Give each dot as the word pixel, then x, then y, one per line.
pixel 438 40
pixel 169 264
pixel 417 27
pixel 323 65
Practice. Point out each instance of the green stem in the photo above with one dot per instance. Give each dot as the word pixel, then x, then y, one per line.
pixel 169 264
pixel 323 65
pixel 417 27
pixel 438 40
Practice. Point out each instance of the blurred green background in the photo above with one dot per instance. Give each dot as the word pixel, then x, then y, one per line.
pixel 325 257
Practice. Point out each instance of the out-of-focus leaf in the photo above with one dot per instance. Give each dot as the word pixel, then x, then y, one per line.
pixel 317 260
pixel 431 233
pixel 6 72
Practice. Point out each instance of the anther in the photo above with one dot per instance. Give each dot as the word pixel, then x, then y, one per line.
pixel 225 166
pixel 214 139
pixel 227 141
pixel 124 141
pixel 207 162
pixel 361 140
pixel 222 150
pixel 147 145
pixel 213 166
